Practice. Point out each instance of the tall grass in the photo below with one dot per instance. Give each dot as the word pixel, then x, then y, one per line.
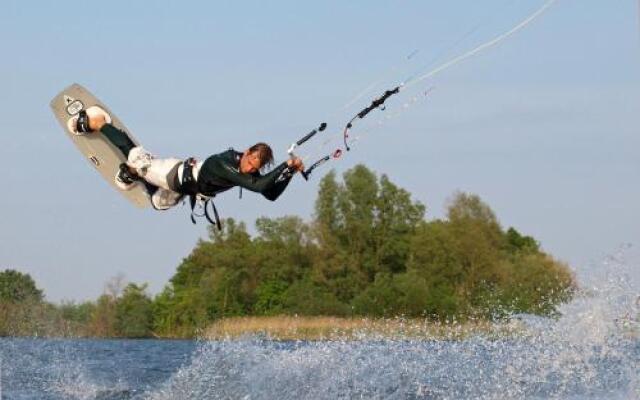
pixel 334 328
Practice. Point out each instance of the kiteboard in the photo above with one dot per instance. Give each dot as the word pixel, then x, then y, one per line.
pixel 96 148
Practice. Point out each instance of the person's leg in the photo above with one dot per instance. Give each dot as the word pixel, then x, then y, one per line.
pixel 118 138
pixel 140 162
pixel 159 175
pixel 141 165
pixel 161 171
pixel 163 199
pixel 95 119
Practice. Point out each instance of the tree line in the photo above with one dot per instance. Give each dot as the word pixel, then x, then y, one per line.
pixel 367 251
pixel 122 311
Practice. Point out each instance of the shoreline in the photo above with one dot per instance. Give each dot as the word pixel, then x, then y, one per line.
pixel 318 328
pixel 323 328
pixel 287 328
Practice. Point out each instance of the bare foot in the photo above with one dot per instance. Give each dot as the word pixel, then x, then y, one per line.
pixel 96 122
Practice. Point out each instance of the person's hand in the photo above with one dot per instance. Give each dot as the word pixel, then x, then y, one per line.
pixel 296 164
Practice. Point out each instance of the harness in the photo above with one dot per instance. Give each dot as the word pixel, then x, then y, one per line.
pixel 189 187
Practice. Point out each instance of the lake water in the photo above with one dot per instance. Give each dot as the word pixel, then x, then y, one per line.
pixel 591 352
pixel 259 369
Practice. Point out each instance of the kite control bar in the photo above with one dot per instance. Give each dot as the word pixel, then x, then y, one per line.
pixel 306 137
pixel 335 154
pixel 378 102
pixel 303 140
pixel 374 104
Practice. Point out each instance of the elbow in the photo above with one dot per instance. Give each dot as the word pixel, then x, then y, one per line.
pixel 270 197
pixel 271 194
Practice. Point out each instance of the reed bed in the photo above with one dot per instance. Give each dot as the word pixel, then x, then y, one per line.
pixel 336 328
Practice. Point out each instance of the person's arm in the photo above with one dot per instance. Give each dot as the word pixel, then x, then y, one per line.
pixel 269 185
pixel 278 187
pixel 294 164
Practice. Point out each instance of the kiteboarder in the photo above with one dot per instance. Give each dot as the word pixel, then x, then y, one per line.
pixel 168 180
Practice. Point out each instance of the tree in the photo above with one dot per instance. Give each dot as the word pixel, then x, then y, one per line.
pixel 407 294
pixel 103 315
pixel 76 312
pixel 133 312
pixel 363 227
pixel 537 284
pixel 327 219
pixel 520 243
pixel 306 297
pixel 477 242
pixel 102 323
pixel 368 251
pixel 397 218
pixel 16 287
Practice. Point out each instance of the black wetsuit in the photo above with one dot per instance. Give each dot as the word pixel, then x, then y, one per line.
pixel 219 172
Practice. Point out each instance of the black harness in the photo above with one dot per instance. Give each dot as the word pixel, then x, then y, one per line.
pixel 188 186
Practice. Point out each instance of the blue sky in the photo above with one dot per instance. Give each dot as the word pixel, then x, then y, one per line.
pixel 544 127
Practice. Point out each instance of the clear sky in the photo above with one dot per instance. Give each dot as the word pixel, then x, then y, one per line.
pixel 544 127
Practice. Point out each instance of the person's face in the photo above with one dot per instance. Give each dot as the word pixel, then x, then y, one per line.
pixel 250 163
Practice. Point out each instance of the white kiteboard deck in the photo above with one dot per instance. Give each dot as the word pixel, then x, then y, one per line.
pixel 98 150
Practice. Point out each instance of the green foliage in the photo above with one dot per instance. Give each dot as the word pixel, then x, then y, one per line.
pixel 517 243
pixel 363 227
pixel 117 313
pixel 122 311
pixel 406 294
pixel 16 287
pixel 78 313
pixel 537 283
pixel 380 298
pixel 271 298
pixel 29 315
pixel 133 318
pixel 305 297
pixel 368 251
pixel 103 318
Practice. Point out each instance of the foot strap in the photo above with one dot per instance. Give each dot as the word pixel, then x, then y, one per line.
pixel 126 176
pixel 82 124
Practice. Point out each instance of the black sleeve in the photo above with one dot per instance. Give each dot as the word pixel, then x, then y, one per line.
pixel 278 187
pixel 270 185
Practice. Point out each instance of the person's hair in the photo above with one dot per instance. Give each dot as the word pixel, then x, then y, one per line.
pixel 265 154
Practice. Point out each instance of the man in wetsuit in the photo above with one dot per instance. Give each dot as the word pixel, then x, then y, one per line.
pixel 169 180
